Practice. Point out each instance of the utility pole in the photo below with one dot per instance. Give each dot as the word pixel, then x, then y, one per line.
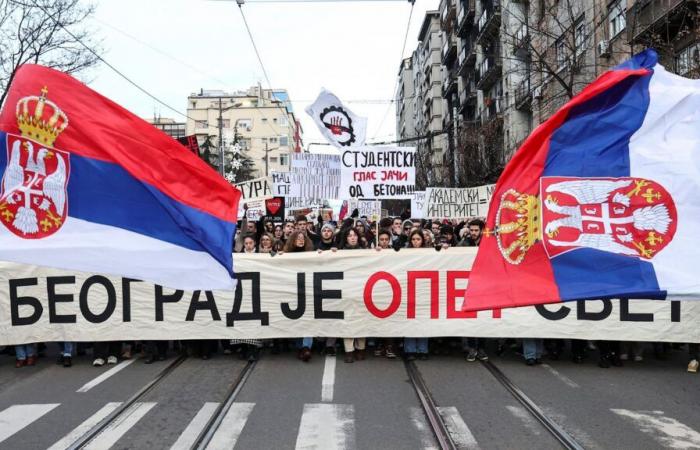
pixel 266 160
pixel 455 135
pixel 221 140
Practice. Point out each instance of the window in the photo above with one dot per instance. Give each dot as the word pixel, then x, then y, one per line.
pixel 245 124
pixel 283 121
pixel 616 18
pixel 284 141
pixel 284 159
pixel 201 124
pixel 273 139
pixel 580 34
pixel 264 119
pixel 244 143
pixel 194 105
pixel 688 59
pixel 560 51
pixel 273 159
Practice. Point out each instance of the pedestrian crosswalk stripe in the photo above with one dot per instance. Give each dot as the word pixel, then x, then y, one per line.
pixel 231 427
pixel 84 427
pixel 666 430
pixel 328 380
pixel 116 429
pixel 16 417
pixel 458 429
pixel 111 372
pixel 195 427
pixel 326 426
pixel 421 425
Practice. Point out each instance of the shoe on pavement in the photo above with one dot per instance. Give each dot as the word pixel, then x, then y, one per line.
pixel 20 363
pixel 31 360
pixel 360 355
pixel 150 359
pixel 471 355
pixel 481 355
pixel 98 362
pixel 693 366
pixel 423 356
pixel 389 352
pixel 624 356
pixel 349 358
pixel 305 354
pixel 330 350
pixel 67 361
pixel 410 356
pixel 379 351
pixel 111 360
pixel 604 363
pixel 638 358
pixel 59 360
pixel 530 361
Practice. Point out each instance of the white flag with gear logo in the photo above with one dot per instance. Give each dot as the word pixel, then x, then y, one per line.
pixel 340 126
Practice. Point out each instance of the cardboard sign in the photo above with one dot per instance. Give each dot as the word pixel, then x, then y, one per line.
pixel 458 203
pixel 314 176
pixel 378 172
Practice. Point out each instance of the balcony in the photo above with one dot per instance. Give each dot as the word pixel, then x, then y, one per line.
pixel 490 111
pixel 468 95
pixel 465 17
pixel 523 95
pixel 488 72
pixel 648 16
pixel 489 21
pixel 449 83
pixel 521 39
pixel 449 49
pixel 467 56
pixel 448 11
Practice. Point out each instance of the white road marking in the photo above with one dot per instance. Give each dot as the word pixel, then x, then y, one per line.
pixel 231 426
pixel 123 423
pixel 328 380
pixel 421 425
pixel 196 425
pixel 111 372
pixel 566 380
pixel 578 434
pixel 666 430
pixel 459 431
pixel 525 417
pixel 84 427
pixel 328 427
pixel 16 417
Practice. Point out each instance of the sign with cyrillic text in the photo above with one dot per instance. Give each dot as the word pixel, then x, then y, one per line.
pixel 257 189
pixel 378 172
pixel 458 203
pixel 314 175
pixel 418 205
pixel 413 292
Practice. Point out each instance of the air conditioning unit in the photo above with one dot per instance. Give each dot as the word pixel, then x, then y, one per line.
pixel 537 93
pixel 604 48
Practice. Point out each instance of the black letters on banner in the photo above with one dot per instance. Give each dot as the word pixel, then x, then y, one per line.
pixel 256 314
pixel 301 303
pixel 17 301
pixel 675 311
pixel 162 298
pixel 627 316
pixel 51 283
pixel 329 294
pixel 582 314
pixel 126 298
pixel 209 304
pixel 559 314
pixel 111 299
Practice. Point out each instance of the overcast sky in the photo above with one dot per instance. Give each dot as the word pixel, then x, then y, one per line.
pixel 175 47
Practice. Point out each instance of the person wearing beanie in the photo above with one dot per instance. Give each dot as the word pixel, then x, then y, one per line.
pixel 327 238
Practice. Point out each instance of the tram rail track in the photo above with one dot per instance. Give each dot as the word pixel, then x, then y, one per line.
pixel 437 422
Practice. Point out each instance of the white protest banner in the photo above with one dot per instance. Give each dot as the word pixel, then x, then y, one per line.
pixel 303 202
pixel 256 210
pixel 372 209
pixel 257 189
pixel 415 292
pixel 458 203
pixel 378 172
pixel 280 183
pixel 314 175
pixel 340 126
pixel 418 205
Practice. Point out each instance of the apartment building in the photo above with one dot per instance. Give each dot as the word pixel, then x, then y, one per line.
pixel 169 126
pixel 261 121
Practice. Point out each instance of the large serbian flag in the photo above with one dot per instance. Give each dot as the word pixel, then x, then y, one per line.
pixel 602 200
pixel 89 186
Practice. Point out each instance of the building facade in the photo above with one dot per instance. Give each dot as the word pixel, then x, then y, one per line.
pixel 171 127
pixel 261 121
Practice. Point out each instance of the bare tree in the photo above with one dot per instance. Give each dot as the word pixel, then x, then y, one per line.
pixel 47 32
pixel 479 153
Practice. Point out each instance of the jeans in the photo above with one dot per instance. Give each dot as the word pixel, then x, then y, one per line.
pixel 24 351
pixel 66 348
pixel 473 343
pixel 415 345
pixel 307 342
pixel 532 348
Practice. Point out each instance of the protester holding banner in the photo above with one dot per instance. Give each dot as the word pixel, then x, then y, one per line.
pixel 265 244
pixel 416 347
pixel 385 346
pixel 327 240
pixel 354 348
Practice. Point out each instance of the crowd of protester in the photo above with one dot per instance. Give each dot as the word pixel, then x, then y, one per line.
pixel 398 234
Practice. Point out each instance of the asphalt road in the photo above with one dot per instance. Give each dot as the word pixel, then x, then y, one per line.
pixel 369 404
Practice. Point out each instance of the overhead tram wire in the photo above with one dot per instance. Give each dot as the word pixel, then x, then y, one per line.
pixel 396 83
pixel 117 71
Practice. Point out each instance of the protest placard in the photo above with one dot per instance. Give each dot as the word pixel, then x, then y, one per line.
pixel 372 209
pixel 356 293
pixel 274 208
pixel 418 205
pixel 280 184
pixel 458 203
pixel 257 189
pixel 256 210
pixel 378 172
pixel 314 175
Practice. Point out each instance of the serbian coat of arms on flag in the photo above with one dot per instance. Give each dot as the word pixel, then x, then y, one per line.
pixel 602 200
